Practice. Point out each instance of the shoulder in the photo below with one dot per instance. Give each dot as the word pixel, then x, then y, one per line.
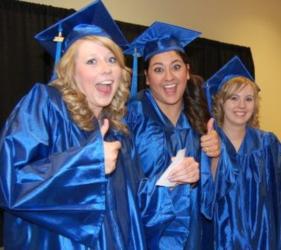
pixel 264 139
pixel 135 109
pixel 42 93
pixel 39 103
pixel 135 104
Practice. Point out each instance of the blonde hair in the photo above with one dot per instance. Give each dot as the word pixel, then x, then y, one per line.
pixel 76 101
pixel 228 89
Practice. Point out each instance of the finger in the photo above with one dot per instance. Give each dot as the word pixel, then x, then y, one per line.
pixel 190 177
pixel 188 165
pixel 184 179
pixel 210 125
pixel 104 127
pixel 213 153
pixel 183 175
pixel 116 145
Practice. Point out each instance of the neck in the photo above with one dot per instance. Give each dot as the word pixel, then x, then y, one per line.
pixel 235 135
pixel 171 111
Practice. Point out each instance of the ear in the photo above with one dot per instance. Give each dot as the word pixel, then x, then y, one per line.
pixel 187 72
pixel 146 80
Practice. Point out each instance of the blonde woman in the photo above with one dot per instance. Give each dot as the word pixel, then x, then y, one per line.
pixel 69 173
pixel 247 212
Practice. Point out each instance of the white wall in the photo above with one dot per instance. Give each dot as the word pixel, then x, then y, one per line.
pixel 252 23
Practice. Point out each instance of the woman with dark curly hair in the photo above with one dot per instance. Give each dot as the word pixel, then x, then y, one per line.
pixel 168 119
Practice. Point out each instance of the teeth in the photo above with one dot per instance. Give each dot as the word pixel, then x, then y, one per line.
pixel 106 82
pixel 170 86
pixel 240 113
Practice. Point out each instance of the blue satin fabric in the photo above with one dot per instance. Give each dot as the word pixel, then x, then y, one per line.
pixel 247 211
pixel 54 189
pixel 157 140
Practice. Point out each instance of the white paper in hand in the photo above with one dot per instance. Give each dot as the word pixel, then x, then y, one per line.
pixel 163 180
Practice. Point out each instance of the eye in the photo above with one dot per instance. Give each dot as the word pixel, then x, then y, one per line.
pixel 92 61
pixel 177 66
pixel 249 98
pixel 234 98
pixel 112 59
pixel 158 69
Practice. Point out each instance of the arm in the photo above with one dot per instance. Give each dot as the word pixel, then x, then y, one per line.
pixel 211 145
pixel 49 184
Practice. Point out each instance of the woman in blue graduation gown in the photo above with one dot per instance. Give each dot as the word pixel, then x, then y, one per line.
pixel 247 209
pixel 165 119
pixel 69 172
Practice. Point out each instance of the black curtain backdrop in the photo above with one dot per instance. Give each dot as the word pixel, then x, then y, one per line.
pixel 23 62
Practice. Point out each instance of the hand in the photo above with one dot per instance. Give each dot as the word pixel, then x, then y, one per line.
pixel 187 171
pixel 111 149
pixel 210 142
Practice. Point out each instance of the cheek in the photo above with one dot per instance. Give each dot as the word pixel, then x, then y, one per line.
pixel 79 75
pixel 252 108
pixel 152 80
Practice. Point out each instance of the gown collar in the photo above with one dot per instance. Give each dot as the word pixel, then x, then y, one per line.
pixel 182 121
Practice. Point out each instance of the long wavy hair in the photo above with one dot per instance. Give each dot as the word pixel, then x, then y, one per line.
pixel 76 101
pixel 232 86
pixel 195 105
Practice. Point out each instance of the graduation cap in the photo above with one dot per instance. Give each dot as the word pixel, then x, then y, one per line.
pixel 94 19
pixel 159 37
pixel 231 69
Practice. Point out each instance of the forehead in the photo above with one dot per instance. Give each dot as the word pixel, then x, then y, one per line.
pixel 88 47
pixel 244 89
pixel 166 57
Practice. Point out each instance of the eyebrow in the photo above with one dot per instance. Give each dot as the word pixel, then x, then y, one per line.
pixel 174 61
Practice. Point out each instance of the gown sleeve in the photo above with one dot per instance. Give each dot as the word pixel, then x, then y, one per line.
pixel 207 186
pixel 157 209
pixel 63 191
pixel 275 163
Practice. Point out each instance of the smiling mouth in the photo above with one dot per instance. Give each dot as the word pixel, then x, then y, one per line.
pixel 240 113
pixel 169 86
pixel 105 87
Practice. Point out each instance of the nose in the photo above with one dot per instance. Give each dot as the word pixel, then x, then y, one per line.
pixel 106 67
pixel 169 75
pixel 241 103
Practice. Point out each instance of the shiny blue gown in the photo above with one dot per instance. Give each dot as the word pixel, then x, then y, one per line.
pixel 157 140
pixel 54 190
pixel 247 211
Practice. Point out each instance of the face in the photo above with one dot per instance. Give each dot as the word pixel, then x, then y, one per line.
pixel 97 74
pixel 166 76
pixel 239 108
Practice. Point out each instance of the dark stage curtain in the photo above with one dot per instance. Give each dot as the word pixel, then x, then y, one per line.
pixel 23 62
pixel 206 56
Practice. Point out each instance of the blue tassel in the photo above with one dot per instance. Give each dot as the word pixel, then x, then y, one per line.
pixel 134 85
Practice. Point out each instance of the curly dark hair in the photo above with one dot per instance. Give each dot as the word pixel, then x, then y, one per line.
pixel 195 104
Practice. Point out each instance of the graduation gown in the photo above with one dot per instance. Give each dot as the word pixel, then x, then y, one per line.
pixel 54 189
pixel 247 211
pixel 157 141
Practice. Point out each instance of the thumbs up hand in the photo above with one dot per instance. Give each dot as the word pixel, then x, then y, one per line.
pixel 210 142
pixel 111 149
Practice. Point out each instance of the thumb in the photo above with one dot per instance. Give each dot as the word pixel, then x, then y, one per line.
pixel 210 125
pixel 104 127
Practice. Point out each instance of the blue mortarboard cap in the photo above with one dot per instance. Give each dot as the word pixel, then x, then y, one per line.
pixel 231 69
pixel 159 37
pixel 94 19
